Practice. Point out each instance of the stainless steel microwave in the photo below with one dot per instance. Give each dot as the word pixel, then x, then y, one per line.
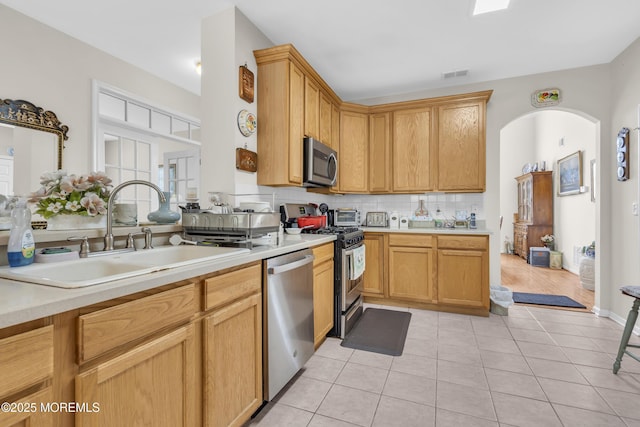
pixel 320 164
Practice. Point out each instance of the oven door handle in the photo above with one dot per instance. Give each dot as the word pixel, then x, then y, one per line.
pixel 291 266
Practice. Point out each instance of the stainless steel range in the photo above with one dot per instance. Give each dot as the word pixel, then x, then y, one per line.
pixel 347 285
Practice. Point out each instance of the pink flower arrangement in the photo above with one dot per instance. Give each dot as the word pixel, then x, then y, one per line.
pixel 63 194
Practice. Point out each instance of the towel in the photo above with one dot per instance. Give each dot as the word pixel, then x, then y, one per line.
pixel 357 263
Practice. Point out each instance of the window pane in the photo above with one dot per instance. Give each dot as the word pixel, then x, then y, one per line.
pixel 111 150
pixel 160 122
pixel 180 128
pixel 138 115
pixel 128 153
pixel 111 106
pixel 144 156
pixel 195 132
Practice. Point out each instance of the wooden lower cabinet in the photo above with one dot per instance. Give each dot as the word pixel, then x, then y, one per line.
pixel 30 410
pixel 151 384
pixel 374 277
pixel 233 362
pixel 430 271
pixel 463 271
pixel 323 292
pixel 411 273
pixel 26 371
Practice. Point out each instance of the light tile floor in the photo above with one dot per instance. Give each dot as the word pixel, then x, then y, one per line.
pixel 535 367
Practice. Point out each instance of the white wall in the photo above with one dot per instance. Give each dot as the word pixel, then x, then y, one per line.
pixel 54 71
pixel 624 254
pixel 517 148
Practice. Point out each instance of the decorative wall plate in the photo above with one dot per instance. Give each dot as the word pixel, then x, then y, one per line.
pixel 546 97
pixel 247 123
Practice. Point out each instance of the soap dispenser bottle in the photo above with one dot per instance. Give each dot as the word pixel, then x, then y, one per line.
pixel 21 248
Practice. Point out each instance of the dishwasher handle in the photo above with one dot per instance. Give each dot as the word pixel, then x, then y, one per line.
pixel 291 266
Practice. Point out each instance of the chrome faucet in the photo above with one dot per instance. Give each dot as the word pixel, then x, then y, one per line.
pixel 108 237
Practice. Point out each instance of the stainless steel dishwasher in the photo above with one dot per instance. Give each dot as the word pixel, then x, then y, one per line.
pixel 288 319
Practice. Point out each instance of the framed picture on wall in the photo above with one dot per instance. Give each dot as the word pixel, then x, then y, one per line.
pixel 570 174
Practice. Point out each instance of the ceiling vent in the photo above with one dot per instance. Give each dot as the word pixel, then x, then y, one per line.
pixel 452 74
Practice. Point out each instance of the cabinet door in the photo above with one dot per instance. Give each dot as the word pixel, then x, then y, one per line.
pixel 354 151
pixel 296 124
pixel 463 278
pixel 323 300
pixel 311 108
pixel 374 273
pixel 151 385
pixel 335 128
pixel 412 150
pixel 461 147
pixel 281 126
pixel 233 363
pixel 326 108
pixel 34 410
pixel 380 152
pixel 411 273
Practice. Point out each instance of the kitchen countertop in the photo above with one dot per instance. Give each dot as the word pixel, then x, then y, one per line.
pixel 22 302
pixel 479 231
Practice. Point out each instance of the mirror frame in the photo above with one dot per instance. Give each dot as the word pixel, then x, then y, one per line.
pixel 25 114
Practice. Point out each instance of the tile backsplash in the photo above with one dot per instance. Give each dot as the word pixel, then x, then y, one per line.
pixel 404 204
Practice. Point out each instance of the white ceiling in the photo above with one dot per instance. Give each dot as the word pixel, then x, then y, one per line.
pixel 362 48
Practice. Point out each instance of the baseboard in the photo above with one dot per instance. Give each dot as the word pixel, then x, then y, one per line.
pixel 619 320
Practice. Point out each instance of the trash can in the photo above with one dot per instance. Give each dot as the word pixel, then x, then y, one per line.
pixel 588 272
pixel 501 298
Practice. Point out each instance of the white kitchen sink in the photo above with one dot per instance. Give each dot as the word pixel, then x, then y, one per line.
pixel 93 271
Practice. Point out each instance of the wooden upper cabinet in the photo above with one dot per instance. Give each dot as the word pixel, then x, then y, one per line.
pixel 380 152
pixel 462 147
pixel 335 127
pixel 311 108
pixel 325 132
pixel 434 144
pixel 281 126
pixel 412 150
pixel 354 150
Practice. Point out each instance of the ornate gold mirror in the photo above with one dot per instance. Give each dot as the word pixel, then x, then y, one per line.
pixel 25 114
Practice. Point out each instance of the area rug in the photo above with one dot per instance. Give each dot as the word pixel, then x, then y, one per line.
pixel 379 331
pixel 543 299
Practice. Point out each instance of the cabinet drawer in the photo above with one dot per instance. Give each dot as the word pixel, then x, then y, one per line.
pixel 25 359
pixel 107 329
pixel 230 286
pixel 322 253
pixel 463 242
pixel 415 240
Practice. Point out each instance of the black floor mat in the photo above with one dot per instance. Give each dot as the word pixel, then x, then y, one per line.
pixel 380 331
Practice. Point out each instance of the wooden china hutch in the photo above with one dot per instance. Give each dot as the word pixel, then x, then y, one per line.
pixel 535 211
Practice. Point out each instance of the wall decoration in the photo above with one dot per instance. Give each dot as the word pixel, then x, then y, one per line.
pixel 622 155
pixel 245 80
pixel 246 160
pixel 545 98
pixel 570 174
pixel 247 123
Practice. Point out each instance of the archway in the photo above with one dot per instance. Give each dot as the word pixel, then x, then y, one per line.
pixel 540 139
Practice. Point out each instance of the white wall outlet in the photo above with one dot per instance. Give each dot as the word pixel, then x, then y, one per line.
pixel 634 208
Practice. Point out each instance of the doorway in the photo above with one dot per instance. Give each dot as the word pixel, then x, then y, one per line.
pixel 536 141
